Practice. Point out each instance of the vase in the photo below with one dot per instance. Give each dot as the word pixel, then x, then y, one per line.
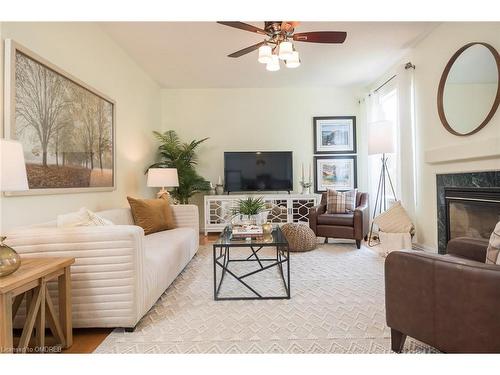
pixel 9 259
pixel 219 189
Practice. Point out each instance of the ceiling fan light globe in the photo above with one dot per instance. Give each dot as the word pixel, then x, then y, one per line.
pixel 265 54
pixel 285 50
pixel 293 61
pixel 274 64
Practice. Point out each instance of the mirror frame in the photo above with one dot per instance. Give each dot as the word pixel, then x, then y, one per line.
pixel 442 82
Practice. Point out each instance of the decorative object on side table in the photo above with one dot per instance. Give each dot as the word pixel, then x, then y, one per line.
pixel 65 126
pixel 163 177
pixel 335 172
pixel 219 187
pixel 305 185
pixel 13 178
pixel 251 211
pixel 381 141
pixel 182 156
pixel 334 135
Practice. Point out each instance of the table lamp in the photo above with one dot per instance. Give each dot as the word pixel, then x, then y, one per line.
pixel 12 178
pixel 162 178
pixel 381 141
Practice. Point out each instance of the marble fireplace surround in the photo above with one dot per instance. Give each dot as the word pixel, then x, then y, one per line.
pixel 487 179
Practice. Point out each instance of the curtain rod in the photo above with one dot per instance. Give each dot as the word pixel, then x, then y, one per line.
pixel 385 83
pixel 408 65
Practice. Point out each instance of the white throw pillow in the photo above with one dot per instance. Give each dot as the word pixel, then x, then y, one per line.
pixel 394 220
pixel 493 251
pixel 83 218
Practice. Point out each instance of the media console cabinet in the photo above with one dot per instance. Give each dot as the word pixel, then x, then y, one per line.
pixel 286 208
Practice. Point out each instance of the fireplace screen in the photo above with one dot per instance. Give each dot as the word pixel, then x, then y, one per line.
pixel 472 218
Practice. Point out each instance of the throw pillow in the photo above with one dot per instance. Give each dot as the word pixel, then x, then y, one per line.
pixel 340 202
pixel 394 220
pixel 493 251
pixel 82 218
pixel 152 215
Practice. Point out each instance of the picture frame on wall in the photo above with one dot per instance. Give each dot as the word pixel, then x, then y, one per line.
pixel 335 172
pixel 334 135
pixel 66 127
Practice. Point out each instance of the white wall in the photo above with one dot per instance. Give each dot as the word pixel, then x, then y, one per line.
pixel 448 153
pixel 256 119
pixel 85 51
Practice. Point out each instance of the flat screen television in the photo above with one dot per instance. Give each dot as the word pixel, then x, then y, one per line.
pixel 258 171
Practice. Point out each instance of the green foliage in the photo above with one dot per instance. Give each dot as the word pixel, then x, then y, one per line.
pixel 181 155
pixel 249 206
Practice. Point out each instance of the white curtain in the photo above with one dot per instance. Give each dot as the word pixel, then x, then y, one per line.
pixel 394 103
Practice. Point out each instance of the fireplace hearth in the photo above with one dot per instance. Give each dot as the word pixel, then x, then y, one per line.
pixel 468 205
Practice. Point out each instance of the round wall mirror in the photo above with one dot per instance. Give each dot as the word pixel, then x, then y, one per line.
pixel 469 90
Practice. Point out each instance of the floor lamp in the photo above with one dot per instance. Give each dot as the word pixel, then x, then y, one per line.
pixel 381 142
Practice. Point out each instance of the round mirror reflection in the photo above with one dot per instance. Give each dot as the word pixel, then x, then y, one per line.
pixel 469 90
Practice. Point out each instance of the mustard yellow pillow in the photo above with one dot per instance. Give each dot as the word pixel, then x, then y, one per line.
pixel 152 215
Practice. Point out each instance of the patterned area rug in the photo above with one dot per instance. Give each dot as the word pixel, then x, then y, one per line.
pixel 337 306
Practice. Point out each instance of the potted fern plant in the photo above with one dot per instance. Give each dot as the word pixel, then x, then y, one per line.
pixel 251 210
pixel 181 155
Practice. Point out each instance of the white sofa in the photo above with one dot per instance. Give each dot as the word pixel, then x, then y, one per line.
pixel 119 273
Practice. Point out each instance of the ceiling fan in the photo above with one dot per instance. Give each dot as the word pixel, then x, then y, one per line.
pixel 277 44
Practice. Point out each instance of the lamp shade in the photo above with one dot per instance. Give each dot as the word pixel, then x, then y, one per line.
pixel 13 174
pixel 274 64
pixel 380 138
pixel 265 53
pixel 285 50
pixel 162 177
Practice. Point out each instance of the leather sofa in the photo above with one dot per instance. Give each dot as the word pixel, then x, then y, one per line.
pixel 353 226
pixel 451 302
pixel 119 273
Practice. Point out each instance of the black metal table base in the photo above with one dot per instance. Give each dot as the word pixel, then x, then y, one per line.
pixel 221 259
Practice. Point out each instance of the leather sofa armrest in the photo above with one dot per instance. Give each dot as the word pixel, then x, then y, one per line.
pixel 448 302
pixel 468 247
pixel 362 217
pixel 313 215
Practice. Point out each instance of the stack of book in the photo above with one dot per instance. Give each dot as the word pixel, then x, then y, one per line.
pixel 243 232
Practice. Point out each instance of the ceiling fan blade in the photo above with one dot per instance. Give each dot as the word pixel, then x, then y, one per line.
pixel 244 51
pixel 321 37
pixel 243 26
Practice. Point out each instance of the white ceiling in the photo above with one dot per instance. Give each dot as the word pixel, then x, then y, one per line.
pixel 193 54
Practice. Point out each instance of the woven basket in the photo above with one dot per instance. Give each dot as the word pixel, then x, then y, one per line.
pixel 299 236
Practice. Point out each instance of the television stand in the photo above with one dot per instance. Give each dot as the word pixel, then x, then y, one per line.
pixel 286 208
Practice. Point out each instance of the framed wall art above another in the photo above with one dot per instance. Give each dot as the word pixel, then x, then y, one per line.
pixel 334 135
pixel 67 128
pixel 335 172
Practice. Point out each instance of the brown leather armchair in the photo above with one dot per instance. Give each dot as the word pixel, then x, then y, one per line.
pixel 451 302
pixel 351 226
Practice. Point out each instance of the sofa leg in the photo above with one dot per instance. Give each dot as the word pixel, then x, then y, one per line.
pixel 326 239
pixel 397 340
pixel 358 244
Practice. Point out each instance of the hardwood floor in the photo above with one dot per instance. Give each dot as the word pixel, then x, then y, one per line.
pixel 86 340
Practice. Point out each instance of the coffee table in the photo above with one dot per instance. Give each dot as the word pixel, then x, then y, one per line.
pixel 227 251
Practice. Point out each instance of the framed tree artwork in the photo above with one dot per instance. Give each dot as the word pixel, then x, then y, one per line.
pixel 334 135
pixel 335 172
pixel 67 128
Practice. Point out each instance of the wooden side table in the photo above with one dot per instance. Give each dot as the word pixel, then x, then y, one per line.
pixel 30 281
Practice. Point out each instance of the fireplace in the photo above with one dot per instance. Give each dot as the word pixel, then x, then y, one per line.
pixel 468 204
pixel 471 212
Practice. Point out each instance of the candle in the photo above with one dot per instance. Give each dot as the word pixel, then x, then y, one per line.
pixel 219 181
pixel 302 171
pixel 310 167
